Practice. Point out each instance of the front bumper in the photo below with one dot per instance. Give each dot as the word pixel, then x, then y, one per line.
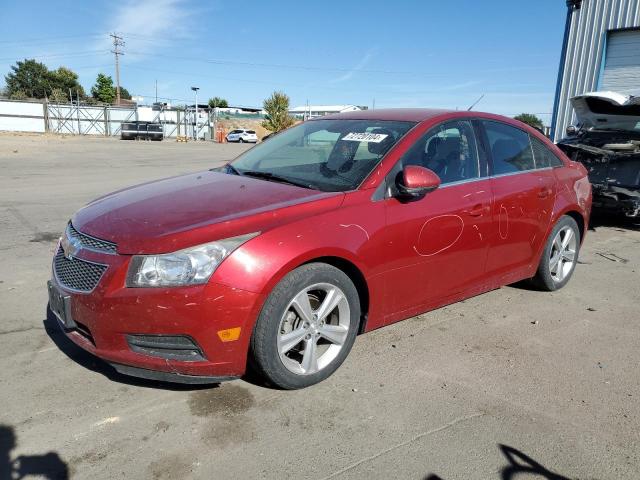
pixel 104 320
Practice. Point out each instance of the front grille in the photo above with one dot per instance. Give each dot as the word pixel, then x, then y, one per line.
pixel 90 242
pixel 77 274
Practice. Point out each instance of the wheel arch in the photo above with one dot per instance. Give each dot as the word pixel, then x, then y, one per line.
pixel 577 216
pixel 357 277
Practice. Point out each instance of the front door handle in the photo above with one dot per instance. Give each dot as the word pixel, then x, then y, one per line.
pixel 476 210
pixel 544 192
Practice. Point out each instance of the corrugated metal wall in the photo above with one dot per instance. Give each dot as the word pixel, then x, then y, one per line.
pixel 585 47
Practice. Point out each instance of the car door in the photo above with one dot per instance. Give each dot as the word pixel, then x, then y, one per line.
pixel 440 241
pixel 523 202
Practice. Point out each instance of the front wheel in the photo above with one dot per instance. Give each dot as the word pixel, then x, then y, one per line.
pixel 241 141
pixel 560 255
pixel 307 326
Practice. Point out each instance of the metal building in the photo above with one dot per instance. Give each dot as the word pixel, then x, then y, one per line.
pixel 600 51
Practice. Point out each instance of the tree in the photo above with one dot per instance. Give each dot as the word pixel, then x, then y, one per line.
pixel 58 96
pixel 28 78
pixel 217 102
pixel 530 119
pixel 65 80
pixel 124 93
pixel 103 90
pixel 277 108
pixel 33 79
pixel 18 95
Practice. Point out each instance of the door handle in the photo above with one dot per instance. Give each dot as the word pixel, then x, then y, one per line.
pixel 475 211
pixel 544 192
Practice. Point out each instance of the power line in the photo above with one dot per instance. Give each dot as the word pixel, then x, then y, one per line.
pixel 263 65
pixel 315 68
pixel 47 39
pixel 54 55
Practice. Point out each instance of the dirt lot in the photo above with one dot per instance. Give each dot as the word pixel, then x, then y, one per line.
pixel 513 381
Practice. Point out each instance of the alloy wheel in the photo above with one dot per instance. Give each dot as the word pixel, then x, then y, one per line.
pixel 313 328
pixel 563 254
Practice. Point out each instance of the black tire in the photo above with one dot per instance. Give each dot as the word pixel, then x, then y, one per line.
pixel 241 141
pixel 264 357
pixel 544 278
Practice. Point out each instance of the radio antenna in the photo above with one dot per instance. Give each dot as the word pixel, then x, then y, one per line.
pixel 476 102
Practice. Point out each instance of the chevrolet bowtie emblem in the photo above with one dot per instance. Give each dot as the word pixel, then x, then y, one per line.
pixel 70 246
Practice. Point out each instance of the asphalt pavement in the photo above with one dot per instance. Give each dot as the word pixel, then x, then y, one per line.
pixel 509 383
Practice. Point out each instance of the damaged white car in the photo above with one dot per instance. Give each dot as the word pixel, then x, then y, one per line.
pixel 607 142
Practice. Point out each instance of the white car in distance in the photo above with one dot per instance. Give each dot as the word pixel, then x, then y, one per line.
pixel 241 135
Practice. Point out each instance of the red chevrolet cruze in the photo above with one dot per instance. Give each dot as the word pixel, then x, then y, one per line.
pixel 336 226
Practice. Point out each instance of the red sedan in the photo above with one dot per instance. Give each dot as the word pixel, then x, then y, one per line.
pixel 334 227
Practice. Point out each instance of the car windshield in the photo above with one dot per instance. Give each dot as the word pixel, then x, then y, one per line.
pixel 329 155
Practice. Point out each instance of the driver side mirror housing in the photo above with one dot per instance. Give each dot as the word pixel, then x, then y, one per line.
pixel 415 182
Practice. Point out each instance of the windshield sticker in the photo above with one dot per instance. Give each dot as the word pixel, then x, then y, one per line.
pixel 365 137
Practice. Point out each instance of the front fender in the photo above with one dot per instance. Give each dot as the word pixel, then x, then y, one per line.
pixel 353 233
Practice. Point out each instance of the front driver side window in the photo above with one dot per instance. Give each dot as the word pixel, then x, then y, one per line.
pixel 449 150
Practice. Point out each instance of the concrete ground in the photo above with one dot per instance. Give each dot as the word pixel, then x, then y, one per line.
pixel 511 384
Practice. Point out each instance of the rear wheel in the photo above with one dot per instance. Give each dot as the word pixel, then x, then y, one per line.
pixel 307 326
pixel 241 140
pixel 560 255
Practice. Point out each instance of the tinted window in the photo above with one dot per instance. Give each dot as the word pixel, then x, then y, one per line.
pixel 449 150
pixel 251 131
pixel 510 148
pixel 544 157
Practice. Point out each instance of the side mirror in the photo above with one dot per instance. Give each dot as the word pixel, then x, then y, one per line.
pixel 571 130
pixel 415 181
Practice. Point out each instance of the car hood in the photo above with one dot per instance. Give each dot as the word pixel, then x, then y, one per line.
pixel 179 212
pixel 601 109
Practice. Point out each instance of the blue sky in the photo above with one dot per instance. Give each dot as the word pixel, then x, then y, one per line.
pixel 402 53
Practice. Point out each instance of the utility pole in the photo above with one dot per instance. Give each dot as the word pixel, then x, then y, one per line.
pixel 117 42
pixel 195 130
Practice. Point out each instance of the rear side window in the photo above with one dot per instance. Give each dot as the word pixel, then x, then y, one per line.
pixel 510 148
pixel 544 157
pixel 251 131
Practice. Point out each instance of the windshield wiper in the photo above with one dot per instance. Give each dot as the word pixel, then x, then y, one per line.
pixel 276 178
pixel 232 169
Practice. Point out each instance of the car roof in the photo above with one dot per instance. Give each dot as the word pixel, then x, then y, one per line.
pixel 412 115
pixel 397 114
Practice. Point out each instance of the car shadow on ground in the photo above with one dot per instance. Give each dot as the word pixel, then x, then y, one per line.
pixel 93 363
pixel 47 466
pixel 617 222
pixel 518 465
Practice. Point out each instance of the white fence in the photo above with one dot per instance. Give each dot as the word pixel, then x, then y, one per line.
pixel 65 118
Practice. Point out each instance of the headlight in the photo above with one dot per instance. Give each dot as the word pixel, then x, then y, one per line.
pixel 191 266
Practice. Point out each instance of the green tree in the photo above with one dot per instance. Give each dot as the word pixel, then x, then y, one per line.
pixel 124 93
pixel 103 90
pixel 28 77
pixel 277 108
pixel 530 119
pixel 58 96
pixel 18 95
pixel 217 102
pixel 65 80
